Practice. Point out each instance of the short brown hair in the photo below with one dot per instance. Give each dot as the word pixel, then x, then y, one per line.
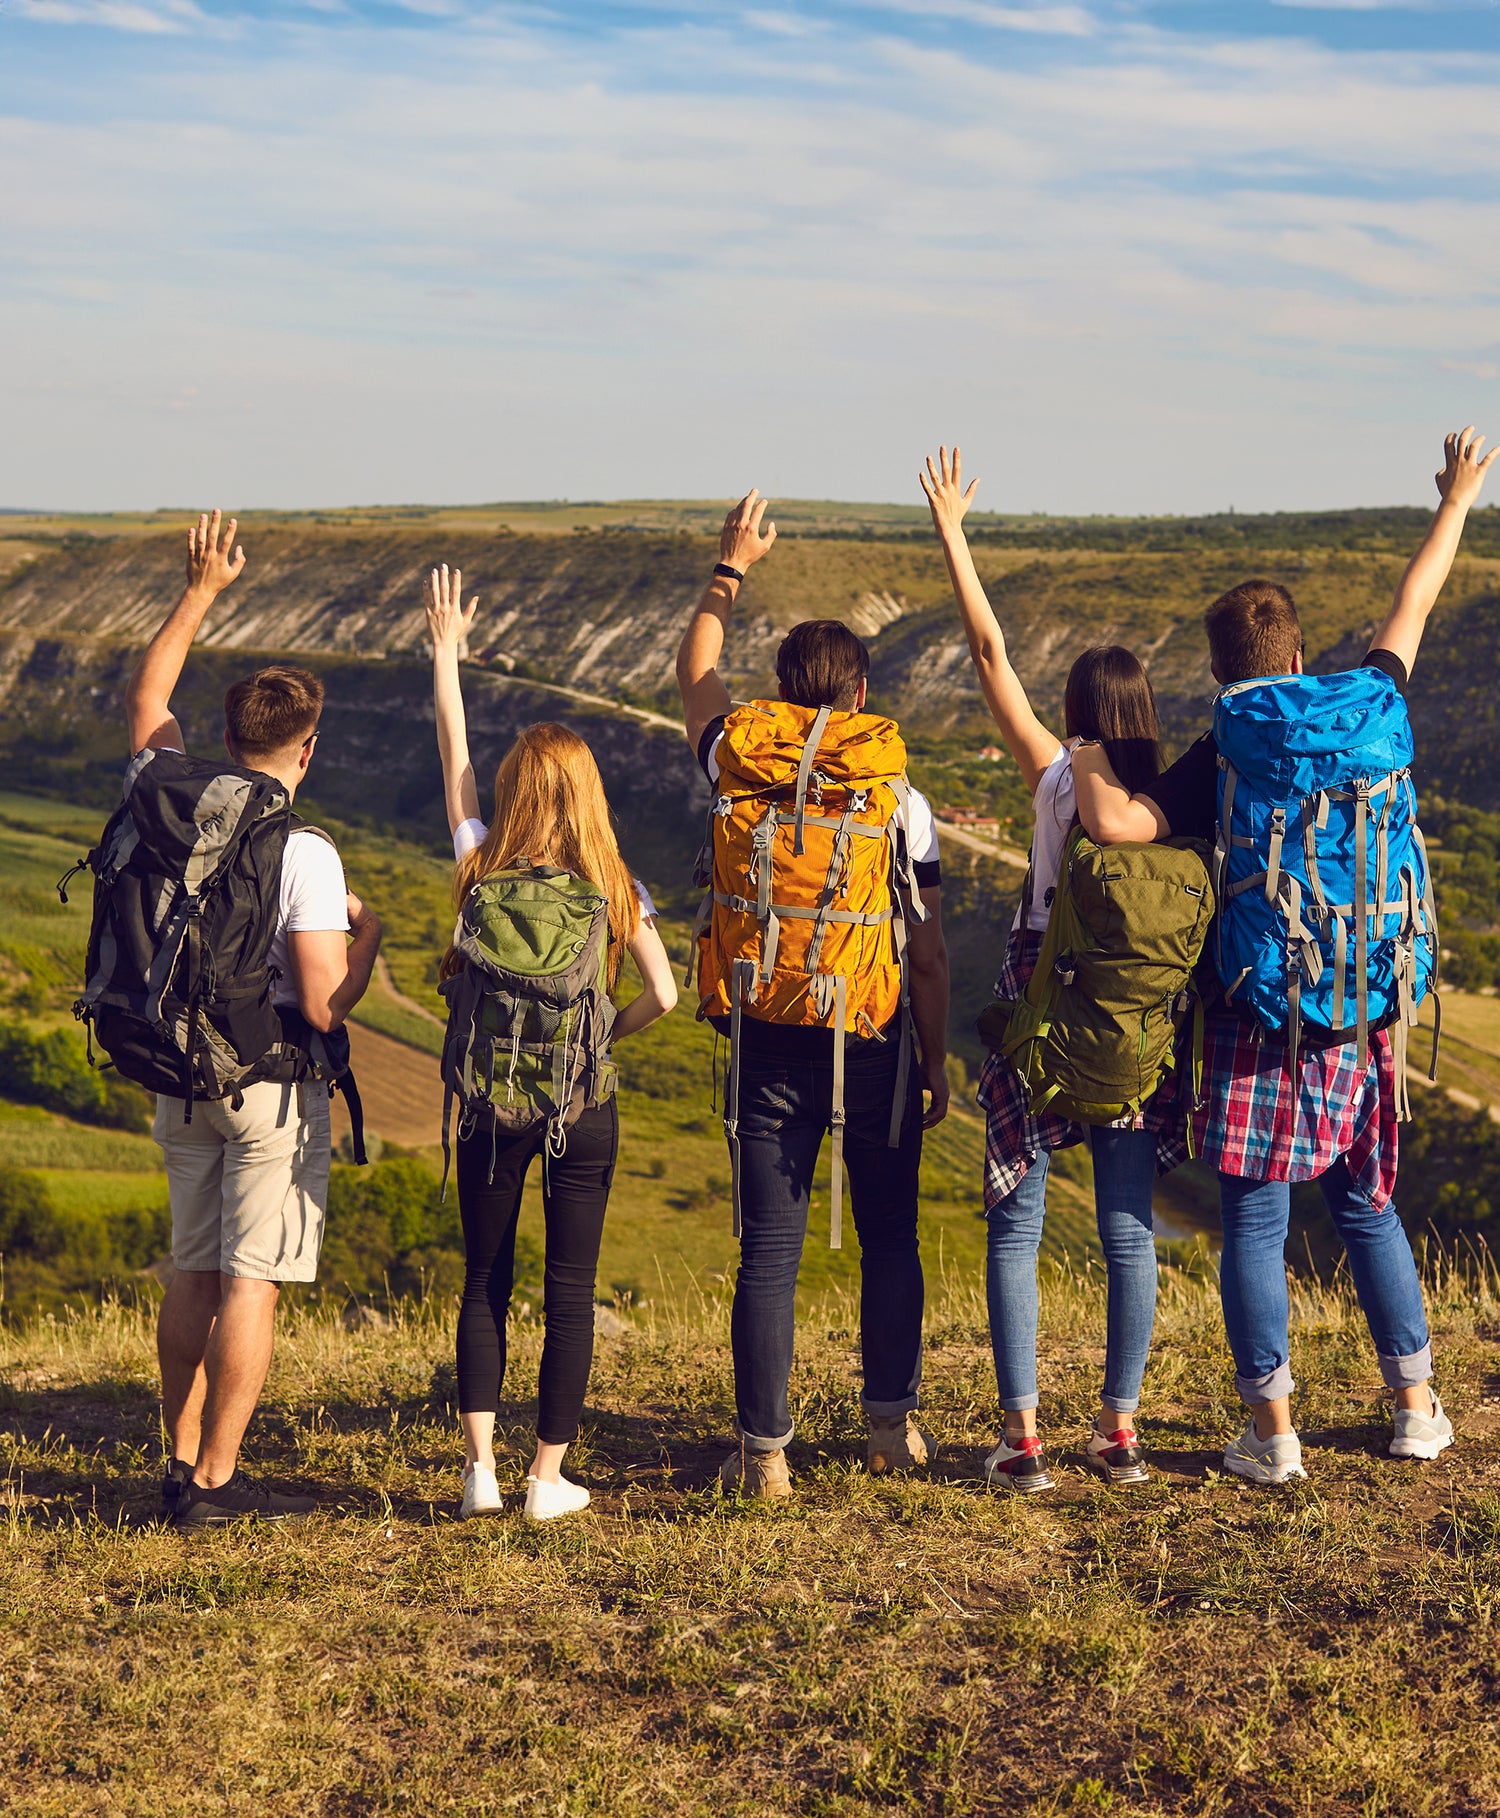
pixel 821 664
pixel 271 710
pixel 1253 630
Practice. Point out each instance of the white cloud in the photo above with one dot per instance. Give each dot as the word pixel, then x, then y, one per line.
pixel 165 16
pixel 518 266
pixel 1052 21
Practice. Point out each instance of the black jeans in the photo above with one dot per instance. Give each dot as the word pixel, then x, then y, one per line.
pixel 783 1118
pixel 575 1193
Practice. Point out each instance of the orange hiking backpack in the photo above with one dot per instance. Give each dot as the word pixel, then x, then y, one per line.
pixel 809 891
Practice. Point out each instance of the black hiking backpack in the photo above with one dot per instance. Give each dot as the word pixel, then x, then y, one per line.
pixel 187 888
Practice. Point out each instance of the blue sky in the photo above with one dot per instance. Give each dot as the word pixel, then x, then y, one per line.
pixel 1136 257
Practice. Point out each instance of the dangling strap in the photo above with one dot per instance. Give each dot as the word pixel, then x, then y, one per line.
pixel 1197 1069
pixel 1340 967
pixel 447 1139
pixel 836 1121
pixel 903 1051
pixel 1294 932
pixel 804 774
pixel 1361 913
pixel 1223 839
pixel 742 975
pixel 346 1084
pixel 194 944
pixel 700 922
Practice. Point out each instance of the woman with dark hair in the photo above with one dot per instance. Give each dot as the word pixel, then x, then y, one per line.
pixel 1108 701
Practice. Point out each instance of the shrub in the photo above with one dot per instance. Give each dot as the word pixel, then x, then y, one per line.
pixel 28 1221
pixel 52 1069
pixel 386 1226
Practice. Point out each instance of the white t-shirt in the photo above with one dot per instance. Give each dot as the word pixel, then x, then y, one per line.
pixel 471 833
pixel 921 829
pixel 314 898
pixel 1056 806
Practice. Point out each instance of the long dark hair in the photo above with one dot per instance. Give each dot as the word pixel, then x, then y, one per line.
pixel 1109 698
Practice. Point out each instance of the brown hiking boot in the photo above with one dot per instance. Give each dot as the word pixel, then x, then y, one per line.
pixel 897 1443
pixel 747 1473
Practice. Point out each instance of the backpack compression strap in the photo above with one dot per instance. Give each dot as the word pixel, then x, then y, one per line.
pixel 804 772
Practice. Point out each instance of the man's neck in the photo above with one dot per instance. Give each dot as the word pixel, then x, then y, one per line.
pixel 288 775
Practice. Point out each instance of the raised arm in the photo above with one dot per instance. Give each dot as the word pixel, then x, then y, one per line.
pixel 1027 739
pixel 211 567
pixel 1458 487
pixel 704 696
pixel 447 625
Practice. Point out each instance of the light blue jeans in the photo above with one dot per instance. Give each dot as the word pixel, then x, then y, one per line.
pixel 1252 1282
pixel 1124 1172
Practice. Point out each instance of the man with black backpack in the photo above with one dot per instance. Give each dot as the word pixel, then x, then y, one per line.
pixel 220 972
pixel 821 957
pixel 1325 944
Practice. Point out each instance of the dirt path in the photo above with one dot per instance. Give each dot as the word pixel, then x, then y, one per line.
pixel 402 1094
pixel 383 974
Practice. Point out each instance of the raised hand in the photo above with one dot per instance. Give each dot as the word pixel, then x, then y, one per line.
pixel 210 564
pixel 945 493
pixel 447 622
pixel 1463 472
pixel 740 541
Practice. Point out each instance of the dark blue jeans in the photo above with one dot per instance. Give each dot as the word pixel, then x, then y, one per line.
pixel 784 1113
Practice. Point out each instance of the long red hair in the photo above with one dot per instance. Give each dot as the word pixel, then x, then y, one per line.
pixel 550 808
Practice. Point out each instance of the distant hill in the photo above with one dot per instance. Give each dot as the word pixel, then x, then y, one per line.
pixel 600 608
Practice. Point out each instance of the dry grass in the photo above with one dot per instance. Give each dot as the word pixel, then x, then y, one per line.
pixel 920 1646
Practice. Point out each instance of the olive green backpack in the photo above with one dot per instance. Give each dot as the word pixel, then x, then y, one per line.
pixel 1096 1028
pixel 529 1014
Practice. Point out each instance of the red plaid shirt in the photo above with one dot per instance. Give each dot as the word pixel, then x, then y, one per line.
pixel 1255 1124
pixel 1252 1122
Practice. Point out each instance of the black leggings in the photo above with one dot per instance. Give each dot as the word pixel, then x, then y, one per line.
pixel 575 1193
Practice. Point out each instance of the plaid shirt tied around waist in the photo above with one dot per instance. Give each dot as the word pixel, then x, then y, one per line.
pixel 1013 1137
pixel 1253 1121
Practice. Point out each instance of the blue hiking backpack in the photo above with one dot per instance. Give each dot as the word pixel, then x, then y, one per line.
pixel 1326 921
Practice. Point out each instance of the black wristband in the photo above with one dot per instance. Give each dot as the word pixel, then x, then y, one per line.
pixel 729 574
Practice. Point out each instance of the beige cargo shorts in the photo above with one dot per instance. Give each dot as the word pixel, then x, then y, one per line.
pixel 249 1188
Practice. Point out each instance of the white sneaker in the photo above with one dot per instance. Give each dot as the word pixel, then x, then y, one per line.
pixel 546 1501
pixel 1270 1460
pixel 481 1493
pixel 1421 1435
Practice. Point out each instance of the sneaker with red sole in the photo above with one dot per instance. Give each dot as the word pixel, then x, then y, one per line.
pixel 1117 1457
pixel 1021 1467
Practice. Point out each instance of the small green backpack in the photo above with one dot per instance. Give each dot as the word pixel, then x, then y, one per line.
pixel 1096 1028
pixel 529 1014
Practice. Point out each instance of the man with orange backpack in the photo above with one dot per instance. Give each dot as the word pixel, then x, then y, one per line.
pixel 821 956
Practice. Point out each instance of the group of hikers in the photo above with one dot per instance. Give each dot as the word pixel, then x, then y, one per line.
pixel 1223 957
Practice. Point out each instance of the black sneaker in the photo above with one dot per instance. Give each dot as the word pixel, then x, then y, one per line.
pixel 241 1499
pixel 179 1471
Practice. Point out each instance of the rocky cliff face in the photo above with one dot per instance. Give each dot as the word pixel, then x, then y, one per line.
pixel 602 612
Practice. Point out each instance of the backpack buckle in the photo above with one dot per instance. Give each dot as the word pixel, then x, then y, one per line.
pixel 1064 968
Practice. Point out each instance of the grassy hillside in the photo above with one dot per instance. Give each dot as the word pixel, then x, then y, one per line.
pixel 1322 1651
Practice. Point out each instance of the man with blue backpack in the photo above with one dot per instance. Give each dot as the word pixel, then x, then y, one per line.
pixel 1325 945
